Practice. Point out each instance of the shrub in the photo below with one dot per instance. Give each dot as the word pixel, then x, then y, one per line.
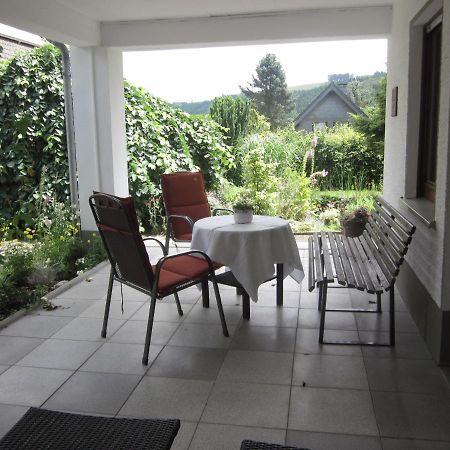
pixel 351 164
pixel 260 185
pixel 294 196
pixel 234 114
pixel 344 201
pixel 372 123
pixel 29 269
pixel 284 148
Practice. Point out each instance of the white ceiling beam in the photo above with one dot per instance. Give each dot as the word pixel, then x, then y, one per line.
pixel 309 25
pixel 51 20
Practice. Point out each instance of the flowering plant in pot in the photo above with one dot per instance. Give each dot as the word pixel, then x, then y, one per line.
pixel 353 224
pixel 243 211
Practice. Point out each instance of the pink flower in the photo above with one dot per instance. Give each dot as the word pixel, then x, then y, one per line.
pixel 324 173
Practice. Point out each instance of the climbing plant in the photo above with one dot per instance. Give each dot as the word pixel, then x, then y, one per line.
pixel 33 151
pixel 32 134
pixel 163 139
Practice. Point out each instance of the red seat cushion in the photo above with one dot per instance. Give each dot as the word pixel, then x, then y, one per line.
pixel 184 194
pixel 184 237
pixel 180 270
pixel 188 266
pixel 168 280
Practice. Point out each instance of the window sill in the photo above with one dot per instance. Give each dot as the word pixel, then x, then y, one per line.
pixel 422 209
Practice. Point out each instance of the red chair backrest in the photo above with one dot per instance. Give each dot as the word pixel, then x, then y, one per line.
pixel 119 228
pixel 184 193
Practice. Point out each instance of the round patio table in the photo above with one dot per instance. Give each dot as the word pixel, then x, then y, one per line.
pixel 250 250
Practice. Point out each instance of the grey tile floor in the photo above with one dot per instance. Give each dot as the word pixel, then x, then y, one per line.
pixel 270 380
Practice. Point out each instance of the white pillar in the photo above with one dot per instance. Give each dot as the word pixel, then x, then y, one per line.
pixel 99 119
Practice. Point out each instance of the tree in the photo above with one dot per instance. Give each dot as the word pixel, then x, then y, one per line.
pixel 268 92
pixel 372 124
pixel 234 114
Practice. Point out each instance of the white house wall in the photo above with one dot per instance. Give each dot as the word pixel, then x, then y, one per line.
pixel 424 282
pixel 443 172
pixel 427 252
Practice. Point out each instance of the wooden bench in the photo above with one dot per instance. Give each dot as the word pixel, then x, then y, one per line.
pixel 368 263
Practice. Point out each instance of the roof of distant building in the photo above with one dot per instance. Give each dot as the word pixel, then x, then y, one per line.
pixel 332 87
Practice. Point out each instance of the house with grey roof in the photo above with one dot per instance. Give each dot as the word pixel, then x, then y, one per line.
pixel 331 106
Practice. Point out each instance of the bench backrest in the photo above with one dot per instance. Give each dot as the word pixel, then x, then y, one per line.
pixel 387 234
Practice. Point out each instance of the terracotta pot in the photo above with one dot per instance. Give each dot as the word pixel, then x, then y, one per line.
pixel 353 227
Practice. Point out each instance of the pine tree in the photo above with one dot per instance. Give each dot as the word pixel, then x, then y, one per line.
pixel 268 92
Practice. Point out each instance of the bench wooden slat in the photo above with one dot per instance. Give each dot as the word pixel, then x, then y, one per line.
pixel 367 261
pixel 405 223
pixel 382 251
pixel 378 256
pixel 326 254
pixel 311 279
pixel 336 259
pixel 395 256
pixel 362 266
pixel 396 242
pixel 345 262
pixel 317 259
pixel 396 228
pixel 360 285
pixel 383 280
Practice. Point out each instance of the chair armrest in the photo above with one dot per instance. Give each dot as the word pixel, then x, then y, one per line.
pixel 179 216
pixel 158 242
pixel 177 255
pixel 216 210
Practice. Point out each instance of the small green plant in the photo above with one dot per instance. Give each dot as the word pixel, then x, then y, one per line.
pixel 243 206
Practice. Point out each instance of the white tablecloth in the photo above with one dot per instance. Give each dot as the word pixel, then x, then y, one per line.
pixel 250 250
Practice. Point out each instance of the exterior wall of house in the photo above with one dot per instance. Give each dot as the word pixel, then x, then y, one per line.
pixel 424 281
pixel 11 46
pixel 330 110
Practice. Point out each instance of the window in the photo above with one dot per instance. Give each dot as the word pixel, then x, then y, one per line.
pixel 429 109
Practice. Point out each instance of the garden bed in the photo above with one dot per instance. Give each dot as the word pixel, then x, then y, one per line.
pixel 54 292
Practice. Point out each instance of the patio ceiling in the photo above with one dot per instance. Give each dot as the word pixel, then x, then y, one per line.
pixel 118 10
pixel 175 23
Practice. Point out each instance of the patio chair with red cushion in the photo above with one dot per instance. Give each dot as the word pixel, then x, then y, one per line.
pixel 185 202
pixel 130 263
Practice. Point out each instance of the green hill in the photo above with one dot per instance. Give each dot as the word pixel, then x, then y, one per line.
pixel 360 89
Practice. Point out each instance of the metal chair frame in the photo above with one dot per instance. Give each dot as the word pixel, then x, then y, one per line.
pixel 153 292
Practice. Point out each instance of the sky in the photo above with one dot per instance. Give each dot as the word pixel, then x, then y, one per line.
pixel 204 73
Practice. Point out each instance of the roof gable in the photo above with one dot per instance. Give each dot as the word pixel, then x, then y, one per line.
pixel 330 89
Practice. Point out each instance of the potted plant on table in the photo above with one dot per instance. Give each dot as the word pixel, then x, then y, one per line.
pixel 353 224
pixel 243 211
